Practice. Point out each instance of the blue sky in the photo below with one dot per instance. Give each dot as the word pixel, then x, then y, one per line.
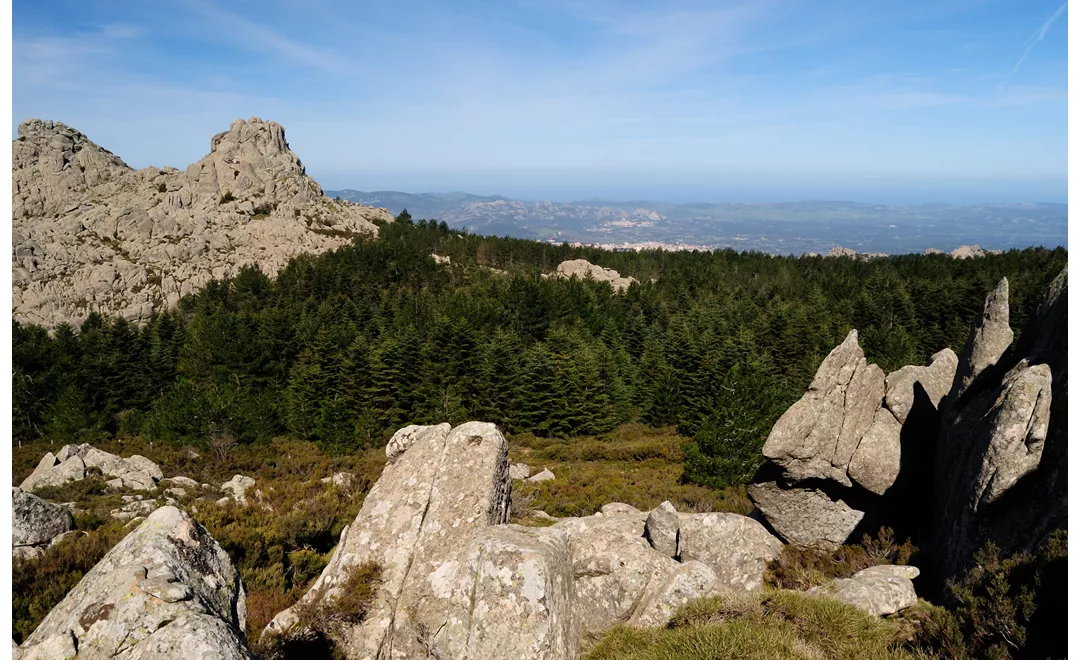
pixel 947 100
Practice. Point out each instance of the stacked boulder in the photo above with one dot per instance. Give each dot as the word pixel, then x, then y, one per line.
pixel 457 581
pixel 167 590
pixel 847 445
pixel 76 462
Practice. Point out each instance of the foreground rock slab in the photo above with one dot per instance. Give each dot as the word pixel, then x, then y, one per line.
pixel 805 516
pixel 167 590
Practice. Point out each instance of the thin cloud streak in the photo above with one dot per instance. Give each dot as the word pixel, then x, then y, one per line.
pixel 1033 40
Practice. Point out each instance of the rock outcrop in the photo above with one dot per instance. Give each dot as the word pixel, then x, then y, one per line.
pixel 167 590
pixel 35 523
pixel 878 590
pixel 459 582
pixel 92 234
pixel 583 269
pixel 76 462
pixel 1001 465
pixel 848 443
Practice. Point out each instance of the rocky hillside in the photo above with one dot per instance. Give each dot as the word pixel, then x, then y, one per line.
pixel 89 233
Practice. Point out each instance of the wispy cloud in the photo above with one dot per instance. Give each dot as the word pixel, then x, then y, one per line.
pixel 260 38
pixel 1033 40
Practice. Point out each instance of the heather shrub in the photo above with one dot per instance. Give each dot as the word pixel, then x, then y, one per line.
pixel 801 568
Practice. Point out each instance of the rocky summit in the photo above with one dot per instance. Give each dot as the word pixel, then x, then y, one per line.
pixel 91 234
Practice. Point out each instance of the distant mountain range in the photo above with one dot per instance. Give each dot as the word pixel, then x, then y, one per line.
pixel 778 228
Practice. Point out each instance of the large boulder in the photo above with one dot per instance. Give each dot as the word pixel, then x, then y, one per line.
pixel 613 566
pixel 878 590
pixel 419 512
pixel 35 522
pixel 805 516
pixel 167 590
pixel 735 547
pixel 817 436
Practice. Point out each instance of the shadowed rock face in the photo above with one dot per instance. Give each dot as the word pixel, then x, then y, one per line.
pixel 167 590
pixel 91 234
pixel 1001 465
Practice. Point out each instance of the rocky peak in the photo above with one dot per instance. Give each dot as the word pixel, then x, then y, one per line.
pixel 90 234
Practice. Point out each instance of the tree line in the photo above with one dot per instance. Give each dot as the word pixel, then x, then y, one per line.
pixel 345 347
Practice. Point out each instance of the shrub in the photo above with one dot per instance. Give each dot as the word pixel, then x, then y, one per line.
pixel 801 568
pixel 1015 607
pixel 226 198
pixel 322 618
pixel 162 187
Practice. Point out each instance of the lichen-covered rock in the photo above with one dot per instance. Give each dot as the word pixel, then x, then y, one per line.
pixel 875 465
pixel 613 566
pixel 75 462
pixel 519 471
pixel 420 511
pixel 805 516
pixel 662 529
pixel 936 379
pixel 816 437
pixel 690 580
pixel 90 234
pixel 735 547
pixel 167 590
pixel 339 479
pixel 35 522
pixel 878 590
pixel 508 593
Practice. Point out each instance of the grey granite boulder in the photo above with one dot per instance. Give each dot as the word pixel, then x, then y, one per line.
pixel 662 529
pixel 816 437
pixel 418 513
pixel 237 488
pixel 167 590
pixel 35 523
pixel 690 580
pixel 734 546
pixel 878 590
pixel 519 471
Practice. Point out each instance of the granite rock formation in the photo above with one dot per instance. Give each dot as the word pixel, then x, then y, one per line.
pixel 91 234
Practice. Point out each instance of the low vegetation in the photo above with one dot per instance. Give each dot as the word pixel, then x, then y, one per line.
pixel 769 625
pixel 322 619
pixel 801 568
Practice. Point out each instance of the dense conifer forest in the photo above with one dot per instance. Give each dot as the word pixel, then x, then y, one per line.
pixel 346 347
